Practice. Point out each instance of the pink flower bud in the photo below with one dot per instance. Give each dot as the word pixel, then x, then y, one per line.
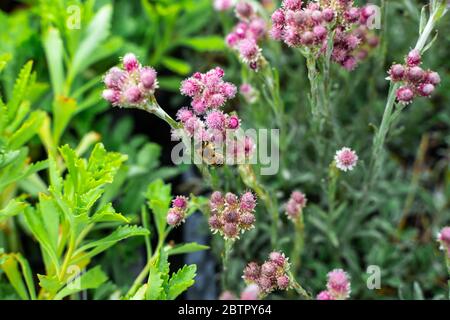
pixel 278 17
pixel 230 230
pixel 397 72
pixel 214 222
pixel 180 202
pixel 114 78
pixel 244 10
pixel 184 114
pixel 283 282
pixel 268 269
pixel 190 87
pixel 265 284
pixel 247 220
pixel 316 16
pixel 352 15
pixel 299 197
pixel 425 89
pixel 174 217
pixel 328 14
pixel 413 59
pixel 433 78
pixel 248 201
pixel 349 63
pixel 252 272
pixel 111 95
pixel 216 120
pixel 415 74
pixel 232 39
pixel 307 38
pixel 320 32
pixel 130 62
pixel 405 95
pixel 148 78
pixel 223 5
pixel 277 258
pixel 216 198
pixel 231 198
pixel 292 4
pixel 324 295
pixel 231 216
pixel 233 122
pixel 133 95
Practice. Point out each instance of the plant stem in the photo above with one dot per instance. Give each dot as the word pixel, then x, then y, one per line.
pixel 228 248
pixel 249 178
pixel 298 288
pixel 299 242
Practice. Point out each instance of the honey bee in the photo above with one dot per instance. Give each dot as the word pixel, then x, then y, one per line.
pixel 209 154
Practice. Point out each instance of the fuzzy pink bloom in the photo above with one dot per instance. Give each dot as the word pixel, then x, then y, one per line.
pixel 233 122
pixel 338 284
pixel 252 272
pixel 216 198
pixel 405 95
pixel 247 221
pixel 214 222
pixel 111 95
pixel 148 78
pixel 352 15
pixel 349 63
pixel 299 197
pixel 324 295
pixel 133 95
pixel 345 159
pixel 444 240
pixel 283 282
pixel 415 74
pixel 114 78
pixel 244 10
pixel 175 217
pixel 413 58
pixel 184 114
pixel 223 5
pixel 249 50
pixel 180 202
pixel 265 284
pixel 227 295
pixel 216 120
pixel 292 4
pixel 130 62
pixel 250 292
pixel 268 268
pixel 397 72
pixel 278 258
pixel 425 89
pixel 248 201
pixel 432 77
pixel 231 198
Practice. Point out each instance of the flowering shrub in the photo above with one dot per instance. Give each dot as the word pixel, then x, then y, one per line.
pixel 359 163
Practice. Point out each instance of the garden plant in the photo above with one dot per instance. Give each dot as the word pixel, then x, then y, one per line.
pixel 224 149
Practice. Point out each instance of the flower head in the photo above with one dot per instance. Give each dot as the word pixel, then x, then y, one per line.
pixel 324 295
pixel 345 159
pixel 130 86
pixel 230 214
pixel 177 213
pixel 295 205
pixel 338 284
pixel 444 240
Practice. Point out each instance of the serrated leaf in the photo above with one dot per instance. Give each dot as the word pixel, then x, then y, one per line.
pixel 181 281
pixel 98 246
pixel 92 279
pixel 20 89
pixel 186 248
pixel 108 214
pixel 158 199
pixel 154 284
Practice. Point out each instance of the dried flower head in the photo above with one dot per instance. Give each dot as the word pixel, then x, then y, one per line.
pixel 345 159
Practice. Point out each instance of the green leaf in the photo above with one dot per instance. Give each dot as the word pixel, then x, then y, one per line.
pixel 28 129
pixel 176 65
pixel 154 284
pixel 101 245
pixel 63 110
pixel 11 268
pixel 181 281
pixel 97 31
pixel 4 58
pixel 186 248
pixel 50 213
pixel 204 44
pixel 27 274
pixel 140 293
pixel 14 207
pixel 158 199
pixel 54 53
pixel 20 89
pixel 108 214
pixel 92 279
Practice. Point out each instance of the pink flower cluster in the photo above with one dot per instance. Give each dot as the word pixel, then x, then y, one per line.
pixel 251 292
pixel 269 276
pixel 444 240
pixel 223 5
pixel 338 286
pixel 130 86
pixel 205 121
pixel 295 205
pixel 177 212
pixel 415 81
pixel 345 159
pixel 310 25
pixel 231 215
pixel 246 34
